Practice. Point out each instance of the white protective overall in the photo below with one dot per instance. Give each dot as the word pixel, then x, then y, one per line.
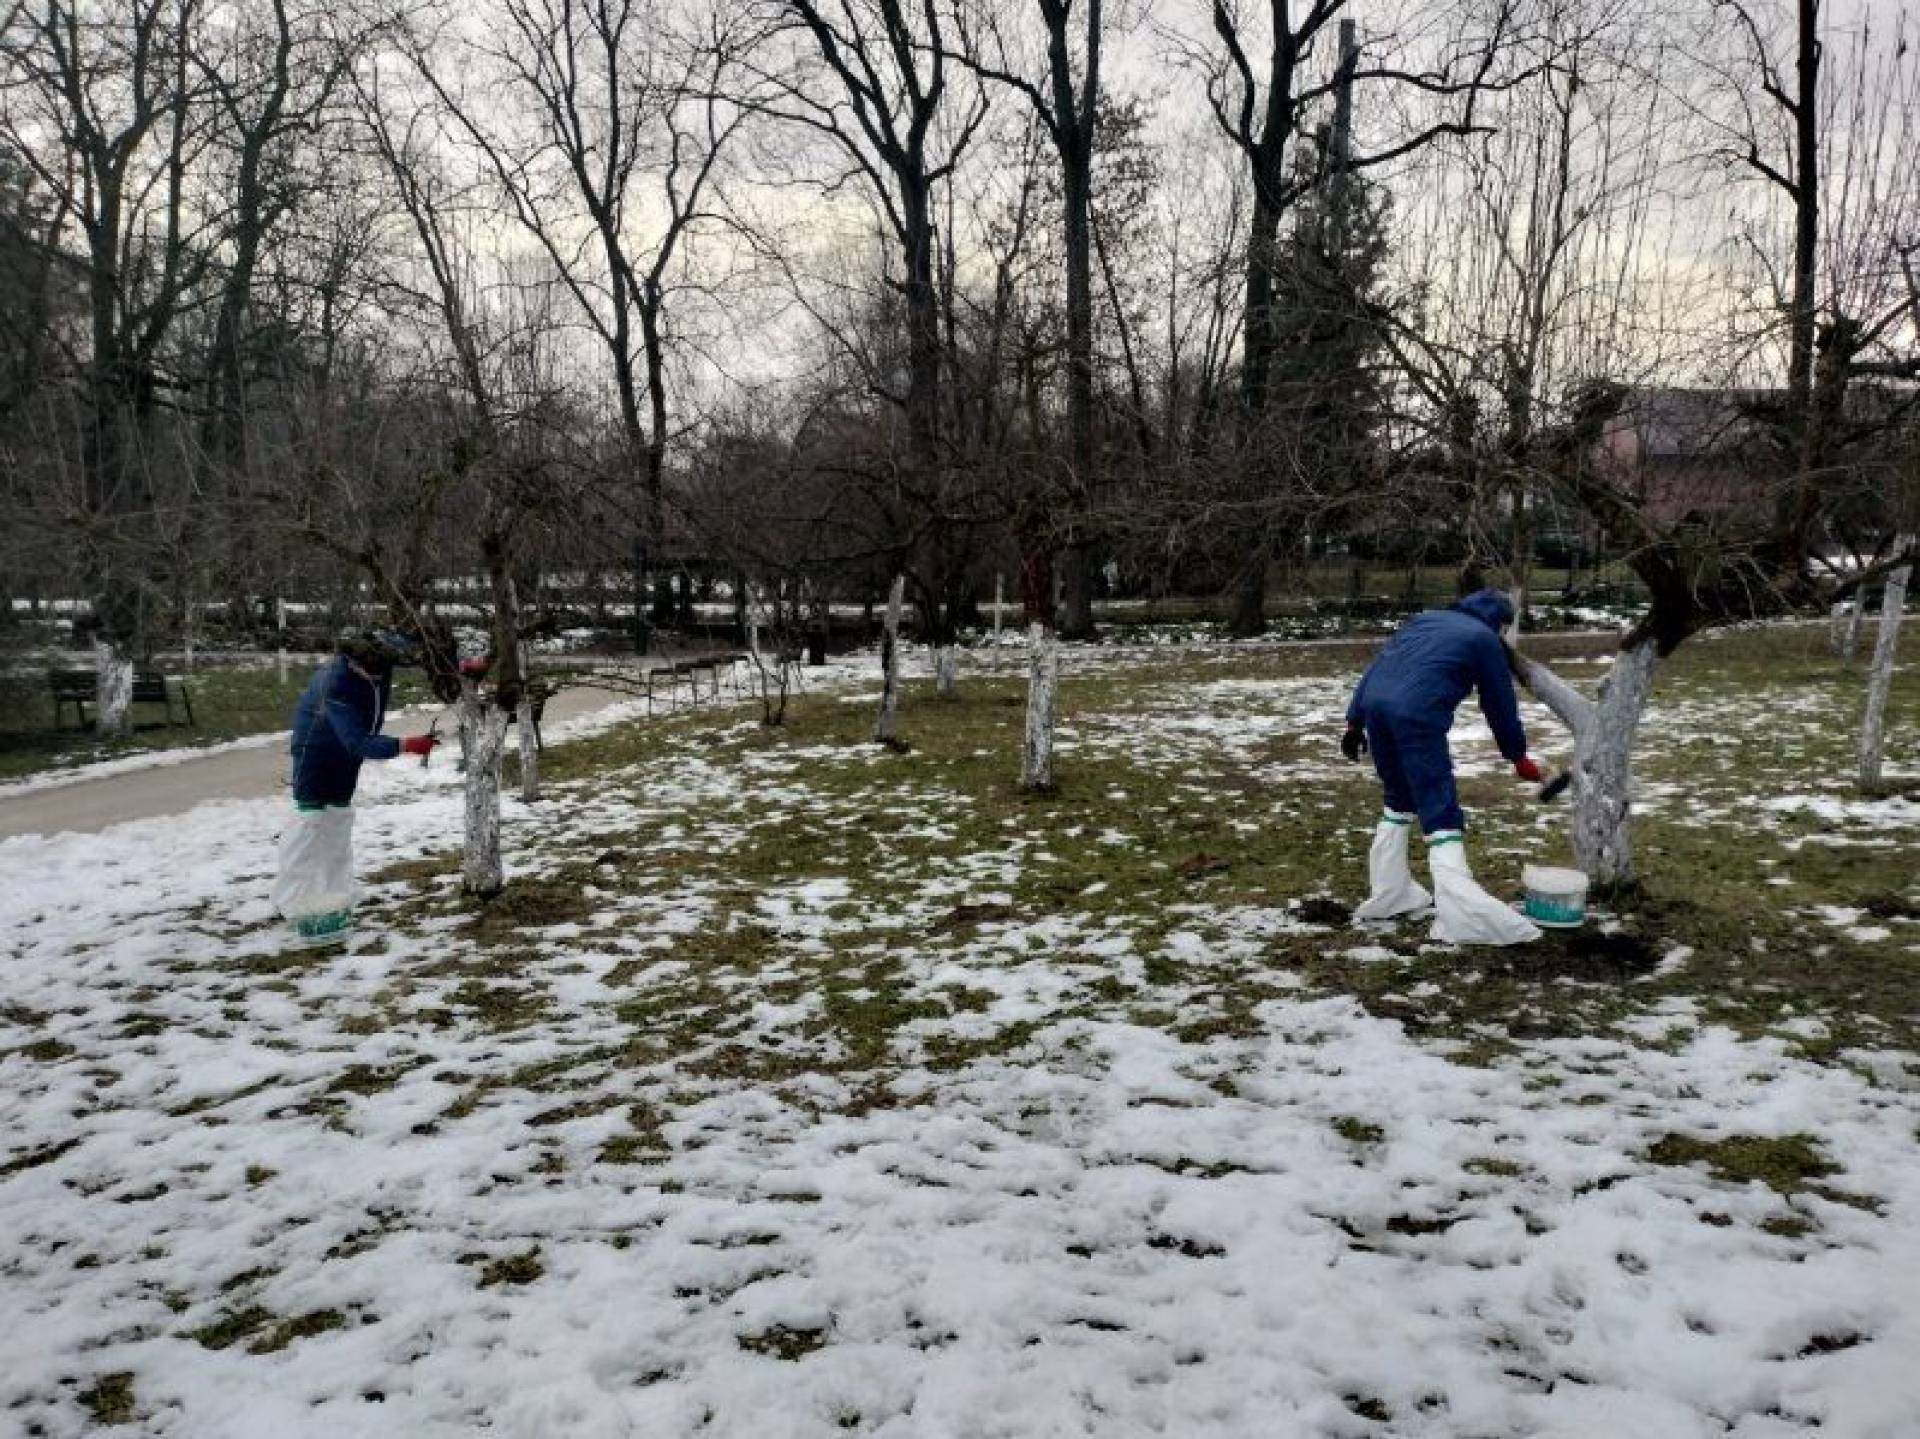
pixel 1464 913
pixel 315 889
pixel 1391 887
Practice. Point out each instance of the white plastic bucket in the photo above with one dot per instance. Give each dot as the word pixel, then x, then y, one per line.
pixel 1556 898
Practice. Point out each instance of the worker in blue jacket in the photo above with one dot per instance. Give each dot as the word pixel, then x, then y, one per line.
pixel 336 728
pixel 1401 713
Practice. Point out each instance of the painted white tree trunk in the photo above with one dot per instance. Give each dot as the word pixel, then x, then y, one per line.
pixel 999 604
pixel 1837 625
pixel 886 725
pixel 1043 686
pixel 113 688
pixel 529 750
pixel 1603 734
pixel 1873 725
pixel 483 734
pixel 1850 646
pixel 946 669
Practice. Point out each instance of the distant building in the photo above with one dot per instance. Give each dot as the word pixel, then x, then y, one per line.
pixel 1718 452
pixel 1696 451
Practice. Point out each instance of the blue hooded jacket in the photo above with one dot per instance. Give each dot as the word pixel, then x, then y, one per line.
pixel 1419 678
pixel 336 726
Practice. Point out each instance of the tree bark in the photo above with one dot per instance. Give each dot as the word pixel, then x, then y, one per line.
pixel 529 750
pixel 885 726
pixel 1043 684
pixel 946 670
pixel 1603 734
pixel 483 733
pixel 1873 725
pixel 113 687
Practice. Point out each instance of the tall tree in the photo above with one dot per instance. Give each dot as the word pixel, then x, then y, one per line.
pixel 108 113
pixel 1263 111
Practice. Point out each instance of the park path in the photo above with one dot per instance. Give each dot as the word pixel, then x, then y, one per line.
pixel 174 784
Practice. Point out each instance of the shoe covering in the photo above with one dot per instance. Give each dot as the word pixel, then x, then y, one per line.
pixel 1464 913
pixel 1392 890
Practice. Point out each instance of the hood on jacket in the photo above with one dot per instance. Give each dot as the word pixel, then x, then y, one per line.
pixel 1492 608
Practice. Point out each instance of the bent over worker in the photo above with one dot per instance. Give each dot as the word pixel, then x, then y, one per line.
pixel 1401 713
pixel 336 727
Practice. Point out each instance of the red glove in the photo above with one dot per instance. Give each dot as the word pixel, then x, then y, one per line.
pixel 475 667
pixel 1528 770
pixel 418 744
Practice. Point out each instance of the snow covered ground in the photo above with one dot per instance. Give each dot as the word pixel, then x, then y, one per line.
pixel 799 1089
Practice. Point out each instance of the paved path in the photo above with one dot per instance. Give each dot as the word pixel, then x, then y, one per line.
pixel 259 772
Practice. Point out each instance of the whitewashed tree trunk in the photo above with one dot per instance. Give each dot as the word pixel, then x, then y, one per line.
pixel 1603 734
pixel 999 604
pixel 1850 646
pixel 946 669
pixel 1873 725
pixel 1837 628
pixel 483 734
pixel 113 688
pixel 1043 687
pixel 280 633
pixel 886 725
pixel 529 750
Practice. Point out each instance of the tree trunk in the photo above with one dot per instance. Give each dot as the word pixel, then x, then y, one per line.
pixel 529 750
pixel 1873 725
pixel 1248 616
pixel 113 688
pixel 886 725
pixel 1850 646
pixel 1076 591
pixel 946 670
pixel 1043 683
pixel 483 733
pixel 1603 735
pixel 999 603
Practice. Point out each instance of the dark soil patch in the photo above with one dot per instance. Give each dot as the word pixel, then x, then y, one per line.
pixel 970 916
pixel 1891 906
pixel 1587 955
pixel 1320 909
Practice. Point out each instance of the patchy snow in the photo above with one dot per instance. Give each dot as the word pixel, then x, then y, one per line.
pixel 362 1193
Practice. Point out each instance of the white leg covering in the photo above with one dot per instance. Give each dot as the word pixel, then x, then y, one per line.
pixel 1392 890
pixel 1464 913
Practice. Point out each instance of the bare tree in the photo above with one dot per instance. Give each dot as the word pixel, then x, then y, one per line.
pixel 107 112
pixel 1264 111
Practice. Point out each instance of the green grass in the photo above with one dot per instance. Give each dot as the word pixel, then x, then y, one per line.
pixel 230 701
pixel 897 979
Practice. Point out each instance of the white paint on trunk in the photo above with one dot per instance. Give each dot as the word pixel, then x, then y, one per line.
pixel 1873 725
pixel 113 689
pixel 1043 685
pixel 999 604
pixel 946 669
pixel 280 665
pixel 886 725
pixel 529 750
pixel 1850 646
pixel 1603 735
pixel 483 734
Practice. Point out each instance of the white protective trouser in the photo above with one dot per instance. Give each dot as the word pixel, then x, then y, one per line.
pixel 1464 913
pixel 1391 887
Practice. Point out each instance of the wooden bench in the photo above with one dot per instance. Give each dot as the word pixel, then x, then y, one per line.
pixel 81 688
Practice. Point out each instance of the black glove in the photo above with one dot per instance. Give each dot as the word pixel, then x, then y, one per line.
pixel 1353 743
